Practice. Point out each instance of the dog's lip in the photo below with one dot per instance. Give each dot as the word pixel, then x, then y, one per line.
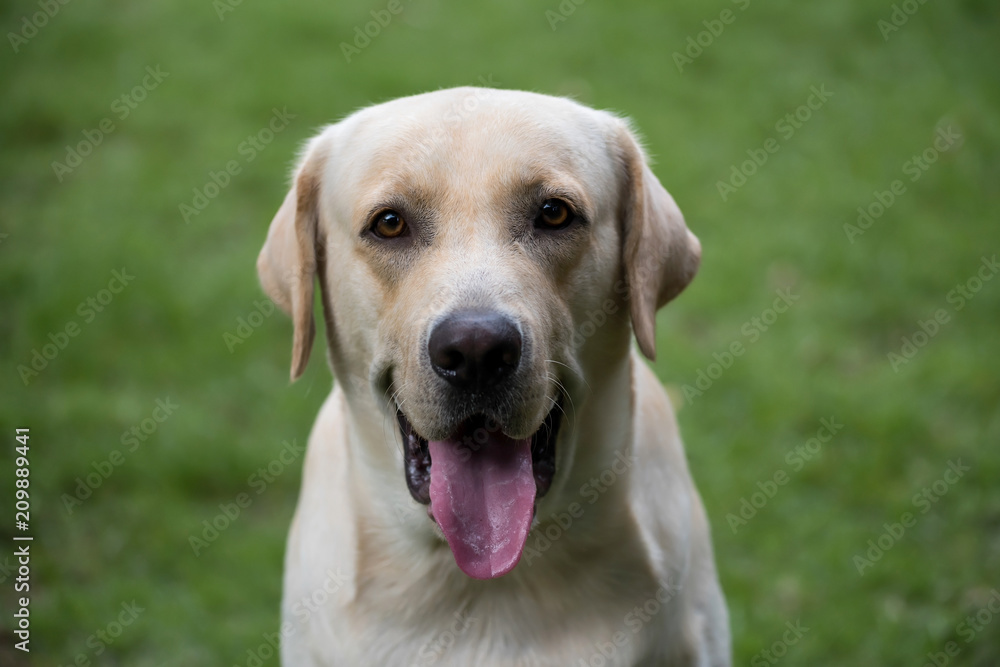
pixel 417 458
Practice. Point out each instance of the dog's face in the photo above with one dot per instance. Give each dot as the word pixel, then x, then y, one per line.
pixel 479 253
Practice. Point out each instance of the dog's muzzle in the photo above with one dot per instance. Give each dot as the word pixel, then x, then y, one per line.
pixel 480 484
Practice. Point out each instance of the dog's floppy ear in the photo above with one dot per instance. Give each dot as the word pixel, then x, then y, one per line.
pixel 659 253
pixel 287 262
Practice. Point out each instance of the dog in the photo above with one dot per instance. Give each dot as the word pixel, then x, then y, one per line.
pixel 497 477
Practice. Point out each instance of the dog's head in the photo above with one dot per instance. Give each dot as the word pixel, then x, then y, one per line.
pixel 480 254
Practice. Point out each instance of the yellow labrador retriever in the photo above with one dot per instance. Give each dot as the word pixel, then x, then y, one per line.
pixel 497 478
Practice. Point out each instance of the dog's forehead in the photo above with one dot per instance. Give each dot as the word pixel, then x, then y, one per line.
pixel 467 137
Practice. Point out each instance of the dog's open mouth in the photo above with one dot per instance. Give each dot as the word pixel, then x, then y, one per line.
pixel 481 486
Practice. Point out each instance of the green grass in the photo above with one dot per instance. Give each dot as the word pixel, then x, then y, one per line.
pixel 162 336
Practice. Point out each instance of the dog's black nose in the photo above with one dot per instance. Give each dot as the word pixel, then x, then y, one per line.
pixel 474 350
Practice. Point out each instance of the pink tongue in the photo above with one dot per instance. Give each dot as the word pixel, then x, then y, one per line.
pixel 483 497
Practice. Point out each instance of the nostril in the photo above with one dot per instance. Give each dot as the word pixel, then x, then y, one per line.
pixel 503 358
pixel 474 350
pixel 450 359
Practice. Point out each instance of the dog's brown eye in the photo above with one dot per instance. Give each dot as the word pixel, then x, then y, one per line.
pixel 389 225
pixel 554 214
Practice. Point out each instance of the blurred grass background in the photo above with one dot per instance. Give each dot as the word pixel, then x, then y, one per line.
pixel 163 336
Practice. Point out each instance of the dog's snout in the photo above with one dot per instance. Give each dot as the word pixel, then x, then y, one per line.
pixel 474 350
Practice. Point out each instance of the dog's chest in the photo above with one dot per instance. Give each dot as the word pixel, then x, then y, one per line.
pixel 582 623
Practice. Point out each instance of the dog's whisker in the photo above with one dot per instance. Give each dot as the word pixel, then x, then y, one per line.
pixel 393 401
pixel 398 403
pixel 555 404
pixel 562 389
pixel 572 370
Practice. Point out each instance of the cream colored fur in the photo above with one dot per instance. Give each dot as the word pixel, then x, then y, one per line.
pixel 621 570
